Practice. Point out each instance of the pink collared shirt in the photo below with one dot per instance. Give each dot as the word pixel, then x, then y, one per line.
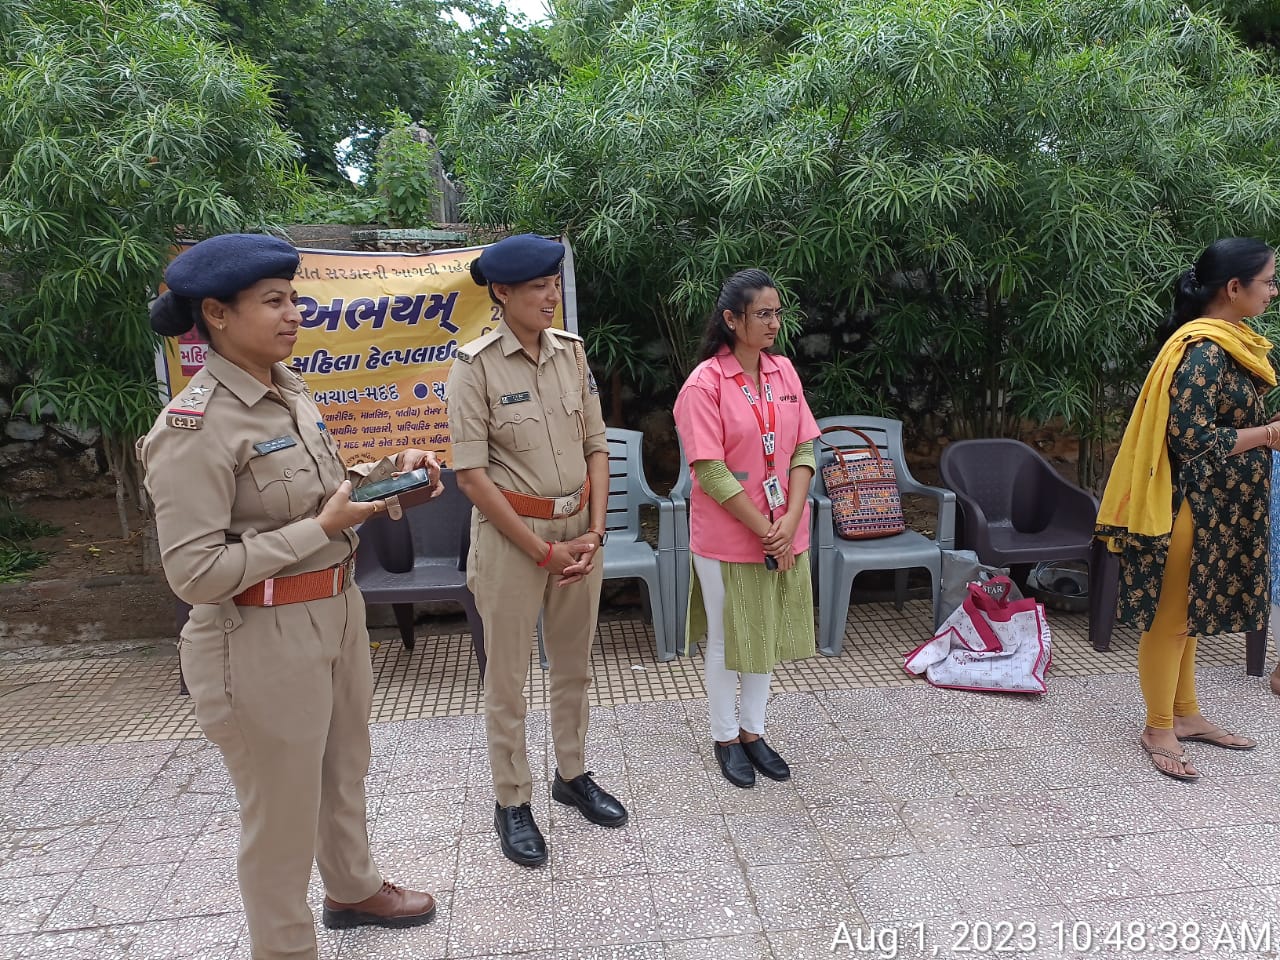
pixel 715 422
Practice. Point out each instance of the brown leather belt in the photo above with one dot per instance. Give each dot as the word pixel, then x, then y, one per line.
pixel 548 508
pixel 316 585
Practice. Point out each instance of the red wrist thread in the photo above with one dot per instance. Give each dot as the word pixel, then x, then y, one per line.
pixel 547 558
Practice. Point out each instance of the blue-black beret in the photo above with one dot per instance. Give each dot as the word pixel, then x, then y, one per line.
pixel 517 259
pixel 223 266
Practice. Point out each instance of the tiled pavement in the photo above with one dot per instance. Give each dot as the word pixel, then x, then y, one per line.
pixel 966 820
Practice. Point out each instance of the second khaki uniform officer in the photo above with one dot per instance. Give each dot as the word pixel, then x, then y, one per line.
pixel 529 449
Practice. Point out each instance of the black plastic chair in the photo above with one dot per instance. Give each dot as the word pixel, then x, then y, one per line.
pixel 1016 510
pixel 421 558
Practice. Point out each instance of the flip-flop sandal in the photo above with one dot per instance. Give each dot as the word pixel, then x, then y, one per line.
pixel 1182 758
pixel 1216 740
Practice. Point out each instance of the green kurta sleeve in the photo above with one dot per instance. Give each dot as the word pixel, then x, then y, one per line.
pixel 716 480
pixel 803 457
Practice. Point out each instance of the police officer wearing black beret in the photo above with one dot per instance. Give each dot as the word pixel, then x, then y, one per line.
pixel 530 452
pixel 255 523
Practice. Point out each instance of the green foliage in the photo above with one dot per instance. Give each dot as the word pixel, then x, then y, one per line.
pixel 988 199
pixel 123 132
pixel 17 561
pixel 324 203
pixel 340 65
pixel 17 557
pixel 405 173
pixel 16 525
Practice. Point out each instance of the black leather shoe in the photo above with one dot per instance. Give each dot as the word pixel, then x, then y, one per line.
pixel 596 804
pixel 735 765
pixel 765 759
pixel 521 839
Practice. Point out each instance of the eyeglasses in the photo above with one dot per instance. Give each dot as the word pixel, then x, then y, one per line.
pixel 768 316
pixel 1271 284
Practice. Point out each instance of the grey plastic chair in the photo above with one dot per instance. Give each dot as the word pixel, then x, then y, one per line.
pixel 628 554
pixel 673 546
pixel 838 560
pixel 420 558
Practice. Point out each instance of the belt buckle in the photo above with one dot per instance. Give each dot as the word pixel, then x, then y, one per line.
pixel 343 573
pixel 565 506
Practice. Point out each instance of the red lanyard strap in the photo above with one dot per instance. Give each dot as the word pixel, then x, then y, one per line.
pixel 768 439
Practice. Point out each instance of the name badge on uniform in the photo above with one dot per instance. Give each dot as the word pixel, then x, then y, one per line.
pixel 773 493
pixel 263 447
pixel 508 398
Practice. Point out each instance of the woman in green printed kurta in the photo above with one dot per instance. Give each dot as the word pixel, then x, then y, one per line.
pixel 748 434
pixel 1186 506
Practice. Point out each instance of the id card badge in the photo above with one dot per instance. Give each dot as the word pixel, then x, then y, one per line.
pixel 773 493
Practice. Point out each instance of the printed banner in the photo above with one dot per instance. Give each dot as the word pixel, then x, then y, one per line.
pixel 379 334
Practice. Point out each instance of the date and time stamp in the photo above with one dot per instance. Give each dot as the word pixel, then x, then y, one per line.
pixel 1013 938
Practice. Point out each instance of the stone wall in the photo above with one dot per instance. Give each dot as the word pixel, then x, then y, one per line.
pixel 40 457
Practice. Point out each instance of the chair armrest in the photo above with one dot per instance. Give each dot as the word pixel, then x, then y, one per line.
pixel 646 491
pixel 975 525
pixel 946 532
pixel 820 504
pixel 666 523
pixel 1078 504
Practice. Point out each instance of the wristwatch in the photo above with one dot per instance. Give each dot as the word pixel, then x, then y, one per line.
pixel 602 534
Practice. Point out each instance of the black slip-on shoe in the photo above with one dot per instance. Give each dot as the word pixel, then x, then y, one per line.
pixel 735 765
pixel 765 759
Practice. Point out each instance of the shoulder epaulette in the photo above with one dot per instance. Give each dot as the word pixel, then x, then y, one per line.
pixel 186 410
pixel 564 333
pixel 468 351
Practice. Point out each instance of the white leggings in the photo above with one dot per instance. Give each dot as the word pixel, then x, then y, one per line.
pixel 727 717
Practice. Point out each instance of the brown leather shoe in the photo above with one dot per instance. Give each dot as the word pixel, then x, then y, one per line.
pixel 391 906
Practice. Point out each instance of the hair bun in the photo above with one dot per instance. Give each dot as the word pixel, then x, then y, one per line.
pixel 171 314
pixel 477 274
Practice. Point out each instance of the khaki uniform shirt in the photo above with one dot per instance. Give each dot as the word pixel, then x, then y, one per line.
pixel 530 424
pixel 238 474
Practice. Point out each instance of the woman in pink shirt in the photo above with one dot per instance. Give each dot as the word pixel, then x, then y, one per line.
pixel 748 434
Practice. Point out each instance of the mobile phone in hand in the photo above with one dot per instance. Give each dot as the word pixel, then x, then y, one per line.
pixel 411 480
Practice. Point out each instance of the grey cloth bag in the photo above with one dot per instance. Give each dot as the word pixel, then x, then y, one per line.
pixel 959 569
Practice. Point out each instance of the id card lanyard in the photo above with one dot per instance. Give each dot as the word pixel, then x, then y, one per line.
pixel 768 438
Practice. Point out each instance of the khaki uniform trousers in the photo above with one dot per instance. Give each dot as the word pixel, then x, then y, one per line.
pixel 510 591
pixel 285 694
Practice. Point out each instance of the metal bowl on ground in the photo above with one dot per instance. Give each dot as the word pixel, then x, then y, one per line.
pixel 1061 585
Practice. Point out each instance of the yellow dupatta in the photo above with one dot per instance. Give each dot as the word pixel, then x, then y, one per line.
pixel 1139 493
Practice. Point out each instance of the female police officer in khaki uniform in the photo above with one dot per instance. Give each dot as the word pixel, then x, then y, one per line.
pixel 529 450
pixel 254 520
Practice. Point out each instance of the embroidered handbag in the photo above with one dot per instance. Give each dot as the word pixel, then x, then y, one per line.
pixel 990 642
pixel 863 488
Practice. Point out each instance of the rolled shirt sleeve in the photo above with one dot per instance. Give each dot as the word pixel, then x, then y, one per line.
pixel 594 439
pixel 468 408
